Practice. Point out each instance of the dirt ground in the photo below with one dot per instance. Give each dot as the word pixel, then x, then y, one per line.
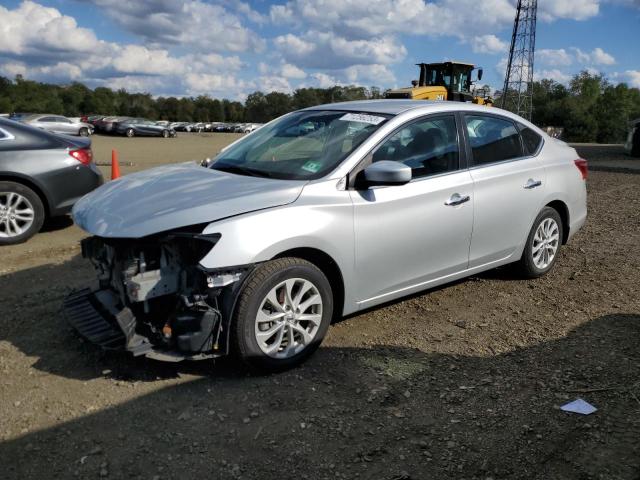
pixel 461 382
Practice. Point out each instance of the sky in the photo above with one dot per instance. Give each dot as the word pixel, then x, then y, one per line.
pixel 228 49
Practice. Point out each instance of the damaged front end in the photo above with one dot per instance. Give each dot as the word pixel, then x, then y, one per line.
pixel 154 299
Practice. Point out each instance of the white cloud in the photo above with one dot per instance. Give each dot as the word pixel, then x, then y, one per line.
pixel 596 57
pixel 139 59
pixel 549 10
pixel 488 44
pixel 322 80
pixel 632 77
pixel 193 23
pixel 34 30
pixel 559 57
pixel 291 71
pixel 553 74
pixel 372 18
pixel 368 75
pixel 600 57
pixel 273 83
pixel 326 50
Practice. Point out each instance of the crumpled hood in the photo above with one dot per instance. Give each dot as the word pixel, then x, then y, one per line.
pixel 175 196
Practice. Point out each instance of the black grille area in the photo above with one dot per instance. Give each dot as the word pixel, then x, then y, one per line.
pixel 90 322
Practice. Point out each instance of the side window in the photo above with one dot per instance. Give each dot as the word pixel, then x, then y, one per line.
pixel 530 140
pixel 2 135
pixel 429 146
pixel 62 120
pixel 47 119
pixel 492 139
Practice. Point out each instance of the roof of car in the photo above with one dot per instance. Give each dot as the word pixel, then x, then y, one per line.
pixel 394 107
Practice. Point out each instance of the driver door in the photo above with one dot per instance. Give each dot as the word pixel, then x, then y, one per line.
pixel 410 236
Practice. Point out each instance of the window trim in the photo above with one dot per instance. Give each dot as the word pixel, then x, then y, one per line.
pixel 367 160
pixel 7 135
pixel 522 126
pixel 471 162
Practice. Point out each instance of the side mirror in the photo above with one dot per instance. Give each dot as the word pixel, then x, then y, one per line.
pixel 479 74
pixel 206 163
pixel 386 172
pixel 414 83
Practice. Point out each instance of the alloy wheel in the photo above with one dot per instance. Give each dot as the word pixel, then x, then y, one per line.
pixel 288 318
pixel 16 214
pixel 545 243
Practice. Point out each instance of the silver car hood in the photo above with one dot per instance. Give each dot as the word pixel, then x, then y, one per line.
pixel 175 196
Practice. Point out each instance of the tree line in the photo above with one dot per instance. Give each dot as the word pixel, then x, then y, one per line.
pixel 589 108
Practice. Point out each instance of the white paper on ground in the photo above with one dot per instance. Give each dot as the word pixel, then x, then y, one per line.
pixel 579 406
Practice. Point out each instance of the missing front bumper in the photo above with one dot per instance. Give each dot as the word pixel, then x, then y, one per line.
pixel 97 318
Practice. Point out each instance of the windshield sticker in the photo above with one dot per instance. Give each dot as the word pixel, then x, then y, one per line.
pixel 362 118
pixel 311 166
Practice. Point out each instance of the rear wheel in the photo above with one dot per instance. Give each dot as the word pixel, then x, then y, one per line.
pixel 130 132
pixel 635 142
pixel 283 313
pixel 21 213
pixel 543 244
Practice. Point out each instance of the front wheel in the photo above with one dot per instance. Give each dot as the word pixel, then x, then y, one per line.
pixel 130 132
pixel 543 244
pixel 165 133
pixel 283 312
pixel 84 132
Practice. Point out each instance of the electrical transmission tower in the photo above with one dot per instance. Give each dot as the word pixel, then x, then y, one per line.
pixel 517 93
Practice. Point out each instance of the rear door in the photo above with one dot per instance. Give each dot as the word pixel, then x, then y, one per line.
pixel 508 187
pixel 64 125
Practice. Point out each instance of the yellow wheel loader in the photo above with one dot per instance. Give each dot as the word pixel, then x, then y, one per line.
pixel 444 81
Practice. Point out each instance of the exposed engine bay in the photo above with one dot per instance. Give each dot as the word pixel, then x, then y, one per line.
pixel 154 298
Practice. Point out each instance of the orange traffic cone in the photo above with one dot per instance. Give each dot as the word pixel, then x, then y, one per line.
pixel 115 168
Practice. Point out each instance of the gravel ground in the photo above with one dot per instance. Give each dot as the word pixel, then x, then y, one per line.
pixel 461 382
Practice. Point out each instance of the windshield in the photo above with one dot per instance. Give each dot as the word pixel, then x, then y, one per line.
pixel 301 146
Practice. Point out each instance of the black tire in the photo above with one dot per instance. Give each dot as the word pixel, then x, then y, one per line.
pixel 165 133
pixel 635 142
pixel 526 267
pixel 265 277
pixel 130 132
pixel 38 209
pixel 84 132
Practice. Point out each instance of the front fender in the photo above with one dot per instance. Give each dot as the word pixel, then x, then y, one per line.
pixel 322 219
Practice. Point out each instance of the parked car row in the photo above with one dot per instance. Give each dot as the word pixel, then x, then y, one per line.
pixel 132 126
pixel 55 123
pixel 216 127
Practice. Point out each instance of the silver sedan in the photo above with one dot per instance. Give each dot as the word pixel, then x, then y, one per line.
pixel 319 214
pixel 59 124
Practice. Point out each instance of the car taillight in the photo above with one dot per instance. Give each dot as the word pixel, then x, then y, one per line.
pixel 83 155
pixel 581 163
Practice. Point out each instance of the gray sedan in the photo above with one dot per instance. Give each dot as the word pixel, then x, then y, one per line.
pixel 59 124
pixel 321 213
pixel 41 175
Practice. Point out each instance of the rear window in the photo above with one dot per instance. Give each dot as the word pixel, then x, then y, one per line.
pixel 492 139
pixel 531 141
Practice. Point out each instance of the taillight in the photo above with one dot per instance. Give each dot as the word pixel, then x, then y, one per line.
pixel 83 155
pixel 581 163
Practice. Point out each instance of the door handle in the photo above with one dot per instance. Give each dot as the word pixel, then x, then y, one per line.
pixel 531 183
pixel 457 199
